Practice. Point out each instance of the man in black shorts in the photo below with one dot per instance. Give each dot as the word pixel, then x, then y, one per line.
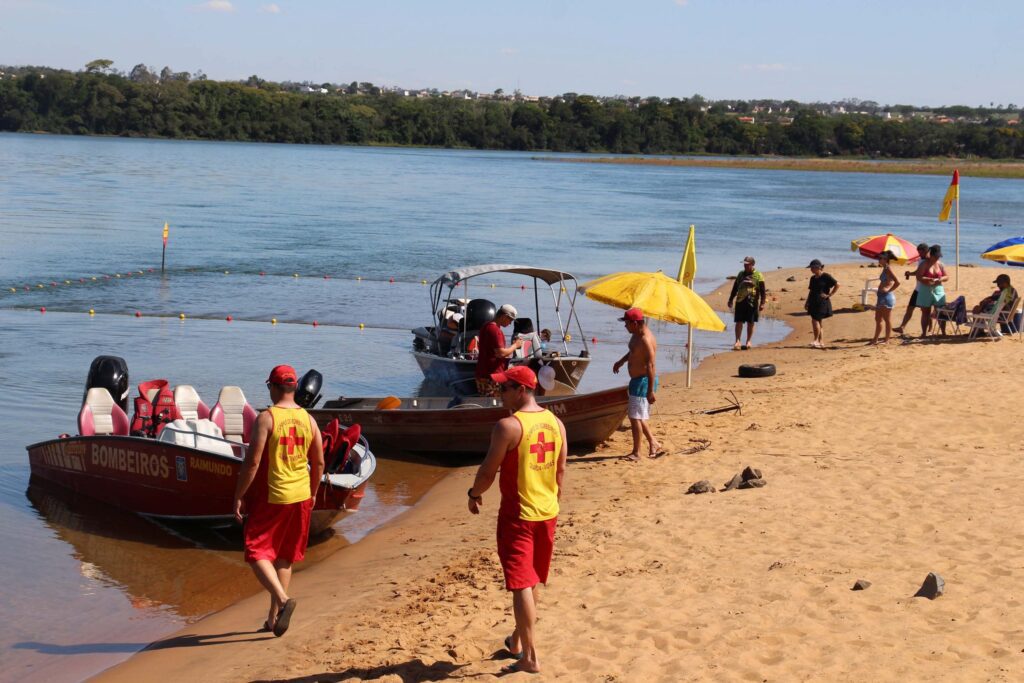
pixel 922 252
pixel 749 294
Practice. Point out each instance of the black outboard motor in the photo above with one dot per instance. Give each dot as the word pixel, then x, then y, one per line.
pixel 479 312
pixel 307 394
pixel 111 373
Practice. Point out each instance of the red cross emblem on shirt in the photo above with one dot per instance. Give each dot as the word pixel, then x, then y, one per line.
pixel 292 440
pixel 542 448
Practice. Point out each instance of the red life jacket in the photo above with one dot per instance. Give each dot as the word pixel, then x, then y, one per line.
pixel 151 414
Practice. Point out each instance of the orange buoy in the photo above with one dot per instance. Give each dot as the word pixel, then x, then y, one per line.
pixel 42 309
pixel 315 324
pixel 138 314
pixel 392 280
pixel 594 340
pixel 389 403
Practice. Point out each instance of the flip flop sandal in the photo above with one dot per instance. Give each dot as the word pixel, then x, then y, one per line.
pixel 283 618
pixel 514 655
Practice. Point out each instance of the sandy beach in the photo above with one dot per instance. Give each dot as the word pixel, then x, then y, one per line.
pixel 882 463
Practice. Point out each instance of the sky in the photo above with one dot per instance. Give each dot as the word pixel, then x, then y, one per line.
pixel 917 52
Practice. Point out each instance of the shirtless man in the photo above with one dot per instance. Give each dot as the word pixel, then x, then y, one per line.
pixel 643 381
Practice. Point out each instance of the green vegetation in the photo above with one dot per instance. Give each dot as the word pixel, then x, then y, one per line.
pixel 103 101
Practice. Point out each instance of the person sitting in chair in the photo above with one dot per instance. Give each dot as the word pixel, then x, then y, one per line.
pixel 988 304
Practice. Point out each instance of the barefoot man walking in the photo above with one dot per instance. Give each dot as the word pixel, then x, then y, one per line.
pixel 529 449
pixel 277 490
pixel 643 381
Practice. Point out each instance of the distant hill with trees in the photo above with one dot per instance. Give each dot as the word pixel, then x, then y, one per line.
pixel 99 100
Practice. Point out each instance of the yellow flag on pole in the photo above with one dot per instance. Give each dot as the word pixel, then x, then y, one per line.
pixel 952 194
pixel 166 231
pixel 688 265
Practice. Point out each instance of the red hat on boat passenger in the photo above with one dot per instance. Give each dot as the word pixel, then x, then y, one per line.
pixel 520 374
pixel 283 375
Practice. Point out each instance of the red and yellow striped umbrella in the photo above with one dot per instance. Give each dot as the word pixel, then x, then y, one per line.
pixel 873 246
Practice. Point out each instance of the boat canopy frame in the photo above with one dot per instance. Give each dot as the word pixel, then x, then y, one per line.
pixel 549 276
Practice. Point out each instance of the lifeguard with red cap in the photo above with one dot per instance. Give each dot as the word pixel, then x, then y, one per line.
pixel 277 486
pixel 529 450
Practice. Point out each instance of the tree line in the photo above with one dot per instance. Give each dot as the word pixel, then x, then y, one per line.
pixel 141 103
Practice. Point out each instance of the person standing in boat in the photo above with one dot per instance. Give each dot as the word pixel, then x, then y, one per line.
pixel 277 487
pixel 493 354
pixel 529 450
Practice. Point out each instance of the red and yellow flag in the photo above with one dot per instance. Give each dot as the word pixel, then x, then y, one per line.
pixel 952 194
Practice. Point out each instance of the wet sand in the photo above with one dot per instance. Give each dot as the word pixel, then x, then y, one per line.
pixel 977 169
pixel 882 463
pixel 169 575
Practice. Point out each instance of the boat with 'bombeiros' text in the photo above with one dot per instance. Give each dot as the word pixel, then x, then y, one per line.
pixel 177 459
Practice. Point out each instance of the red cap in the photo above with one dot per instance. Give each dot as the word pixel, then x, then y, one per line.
pixel 283 375
pixel 633 315
pixel 520 374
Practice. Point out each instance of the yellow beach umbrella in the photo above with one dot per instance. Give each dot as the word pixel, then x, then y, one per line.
pixel 657 295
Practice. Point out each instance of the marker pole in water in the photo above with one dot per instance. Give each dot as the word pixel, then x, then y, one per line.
pixel 163 255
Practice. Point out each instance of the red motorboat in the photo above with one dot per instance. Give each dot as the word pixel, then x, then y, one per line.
pixel 180 460
pixel 462 426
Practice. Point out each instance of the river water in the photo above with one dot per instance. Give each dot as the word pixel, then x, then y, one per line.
pixel 301 233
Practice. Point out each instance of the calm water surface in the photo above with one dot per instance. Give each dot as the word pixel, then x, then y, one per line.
pixel 85 586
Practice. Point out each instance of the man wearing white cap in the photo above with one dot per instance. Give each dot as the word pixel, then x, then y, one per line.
pixel 493 354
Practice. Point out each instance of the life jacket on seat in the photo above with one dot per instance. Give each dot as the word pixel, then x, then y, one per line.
pixel 338 445
pixel 154 407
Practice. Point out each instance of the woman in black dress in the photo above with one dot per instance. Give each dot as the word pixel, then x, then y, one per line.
pixel 819 299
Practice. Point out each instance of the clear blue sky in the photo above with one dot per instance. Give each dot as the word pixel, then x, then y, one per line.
pixel 894 52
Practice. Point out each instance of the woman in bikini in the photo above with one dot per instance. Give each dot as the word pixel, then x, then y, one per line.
pixel 886 299
pixel 930 292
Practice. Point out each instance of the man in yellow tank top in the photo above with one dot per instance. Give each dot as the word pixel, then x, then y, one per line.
pixel 277 487
pixel 528 448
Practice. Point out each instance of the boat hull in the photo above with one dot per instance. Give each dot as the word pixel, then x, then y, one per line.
pixel 159 479
pixel 466 429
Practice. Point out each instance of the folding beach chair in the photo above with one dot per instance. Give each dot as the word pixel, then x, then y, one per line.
pixel 989 322
pixel 1008 320
pixel 954 312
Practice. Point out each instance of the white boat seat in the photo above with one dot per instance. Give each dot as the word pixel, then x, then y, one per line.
pixel 203 435
pixel 233 414
pixel 189 404
pixel 100 415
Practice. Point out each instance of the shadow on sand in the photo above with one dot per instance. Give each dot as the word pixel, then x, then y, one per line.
pixel 407 672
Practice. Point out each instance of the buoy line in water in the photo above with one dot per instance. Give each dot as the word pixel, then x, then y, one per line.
pixel 106 277
pixel 183 317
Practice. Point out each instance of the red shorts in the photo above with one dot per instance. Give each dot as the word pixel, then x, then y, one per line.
pixel 525 549
pixel 277 532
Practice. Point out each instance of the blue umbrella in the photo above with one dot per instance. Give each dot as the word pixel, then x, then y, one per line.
pixel 1009 252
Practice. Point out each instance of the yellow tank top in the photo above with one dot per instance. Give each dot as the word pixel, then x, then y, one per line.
pixel 537 466
pixel 287 472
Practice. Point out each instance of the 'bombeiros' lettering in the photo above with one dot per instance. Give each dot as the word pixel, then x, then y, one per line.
pixel 130 461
